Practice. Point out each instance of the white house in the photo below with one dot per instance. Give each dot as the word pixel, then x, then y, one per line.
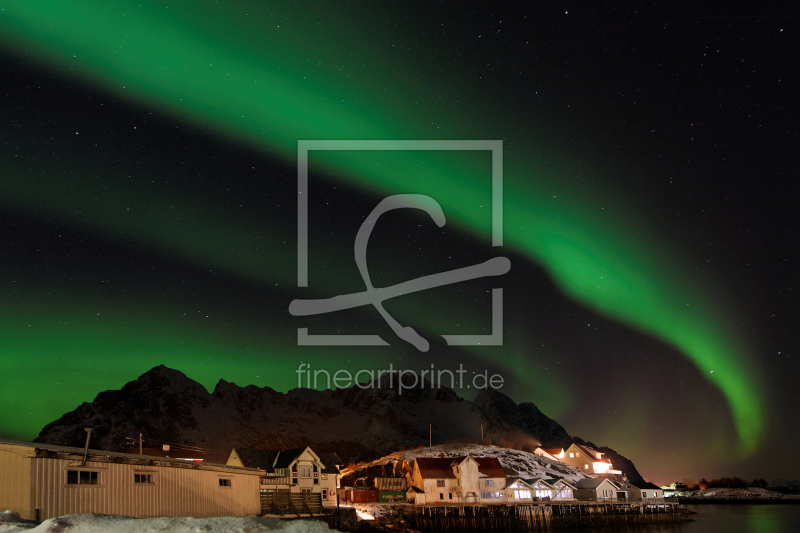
pixel 643 490
pixel 587 459
pixel 298 470
pixel 41 481
pixel 597 489
pixel 562 490
pixel 457 480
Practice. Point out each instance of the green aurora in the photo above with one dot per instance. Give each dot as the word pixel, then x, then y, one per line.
pixel 270 78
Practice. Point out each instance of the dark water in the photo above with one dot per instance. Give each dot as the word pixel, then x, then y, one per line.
pixel 739 518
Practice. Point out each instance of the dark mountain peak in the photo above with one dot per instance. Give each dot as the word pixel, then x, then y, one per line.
pixel 492 401
pixel 364 421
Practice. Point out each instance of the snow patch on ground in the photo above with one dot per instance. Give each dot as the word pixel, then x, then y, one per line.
pixel 751 493
pixel 97 523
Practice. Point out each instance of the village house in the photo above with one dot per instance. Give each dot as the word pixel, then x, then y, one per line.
pixel 313 478
pixel 562 490
pixel 457 480
pixel 42 481
pixel 518 491
pixel 587 459
pixel 598 490
pixel 643 491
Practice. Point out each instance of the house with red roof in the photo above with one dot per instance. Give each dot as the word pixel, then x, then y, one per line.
pixel 467 479
pixel 587 459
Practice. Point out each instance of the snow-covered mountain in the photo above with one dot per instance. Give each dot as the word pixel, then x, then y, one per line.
pixel 525 465
pixel 358 422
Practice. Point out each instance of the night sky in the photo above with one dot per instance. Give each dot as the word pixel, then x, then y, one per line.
pixel 148 207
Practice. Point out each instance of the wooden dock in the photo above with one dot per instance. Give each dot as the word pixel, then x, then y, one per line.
pixel 541 516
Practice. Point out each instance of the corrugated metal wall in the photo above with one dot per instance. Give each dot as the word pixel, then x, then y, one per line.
pixel 15 482
pixel 175 491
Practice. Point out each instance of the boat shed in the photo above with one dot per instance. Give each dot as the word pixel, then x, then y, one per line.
pixel 41 481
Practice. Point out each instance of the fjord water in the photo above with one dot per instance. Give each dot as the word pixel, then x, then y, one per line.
pixel 734 518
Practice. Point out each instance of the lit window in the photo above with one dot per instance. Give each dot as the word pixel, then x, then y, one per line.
pixel 81 477
pixel 571 454
pixel 225 482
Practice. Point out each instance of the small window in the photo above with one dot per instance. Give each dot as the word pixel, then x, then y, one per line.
pixel 489 482
pixel 324 493
pixel 577 454
pixel 450 495
pixel 440 483
pixel 571 454
pixel 441 496
pixel 644 494
pixel 81 477
pixel 586 467
pixel 225 482
pixel 305 471
pixel 143 478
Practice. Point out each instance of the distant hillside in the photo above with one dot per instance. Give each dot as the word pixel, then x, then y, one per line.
pixel 526 465
pixel 357 423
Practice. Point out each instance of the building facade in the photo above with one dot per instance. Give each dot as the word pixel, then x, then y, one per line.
pixel 41 481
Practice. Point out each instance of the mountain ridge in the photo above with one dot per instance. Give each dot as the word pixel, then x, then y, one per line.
pixel 360 422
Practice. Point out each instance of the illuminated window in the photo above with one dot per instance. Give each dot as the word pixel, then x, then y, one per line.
pixel 571 454
pixel 81 477
pixel 586 467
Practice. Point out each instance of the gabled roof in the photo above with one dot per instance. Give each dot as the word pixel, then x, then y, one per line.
pixel 331 462
pixel 490 466
pixel 286 457
pixel 532 482
pixel 593 483
pixel 270 460
pixel 512 481
pixel 436 467
pixel 593 454
pixel 263 459
pixel 644 485
pixel 555 481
